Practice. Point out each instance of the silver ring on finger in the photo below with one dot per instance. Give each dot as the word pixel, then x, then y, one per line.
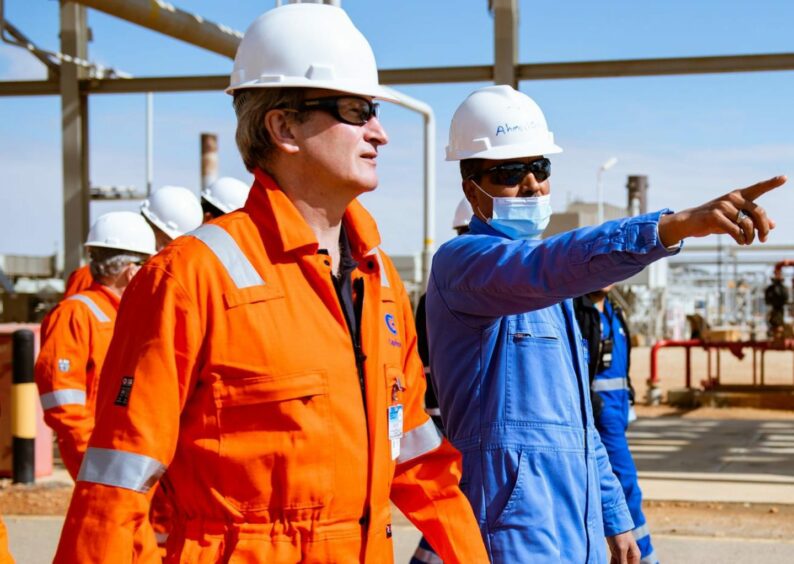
pixel 741 216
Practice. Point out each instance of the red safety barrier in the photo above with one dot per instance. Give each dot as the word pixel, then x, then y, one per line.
pixel 735 347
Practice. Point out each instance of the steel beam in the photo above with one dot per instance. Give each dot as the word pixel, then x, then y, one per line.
pixel 441 75
pixel 29 88
pixel 74 122
pixel 163 17
pixel 505 19
pixel 437 75
pixel 155 84
pixel 657 67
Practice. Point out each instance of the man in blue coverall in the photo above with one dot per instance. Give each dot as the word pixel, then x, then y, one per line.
pixel 506 354
pixel 609 349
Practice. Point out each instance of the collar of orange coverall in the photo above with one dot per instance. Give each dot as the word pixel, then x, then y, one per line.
pixel 271 209
pixel 106 292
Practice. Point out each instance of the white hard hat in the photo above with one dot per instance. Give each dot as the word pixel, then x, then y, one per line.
pixel 226 193
pixel 463 214
pixel 306 46
pixel 123 230
pixel 174 209
pixel 498 122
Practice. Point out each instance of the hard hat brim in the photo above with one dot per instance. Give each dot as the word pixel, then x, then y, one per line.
pixel 505 152
pixel 375 91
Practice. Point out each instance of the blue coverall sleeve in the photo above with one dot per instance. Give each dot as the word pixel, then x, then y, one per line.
pixel 489 276
pixel 617 518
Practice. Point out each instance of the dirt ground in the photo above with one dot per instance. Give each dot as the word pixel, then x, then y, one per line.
pixel 724 520
pixel 40 499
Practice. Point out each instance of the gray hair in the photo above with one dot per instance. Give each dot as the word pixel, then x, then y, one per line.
pixel 251 106
pixel 107 264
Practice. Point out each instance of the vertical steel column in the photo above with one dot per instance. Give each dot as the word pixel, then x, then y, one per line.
pixel 23 408
pixel 74 123
pixel 505 20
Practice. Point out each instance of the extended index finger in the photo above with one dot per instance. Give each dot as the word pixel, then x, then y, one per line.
pixel 757 190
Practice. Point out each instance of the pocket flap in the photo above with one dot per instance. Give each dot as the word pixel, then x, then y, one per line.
pixel 534 329
pixel 251 295
pixel 248 391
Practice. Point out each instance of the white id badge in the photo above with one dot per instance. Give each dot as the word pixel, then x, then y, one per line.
pixel 395 429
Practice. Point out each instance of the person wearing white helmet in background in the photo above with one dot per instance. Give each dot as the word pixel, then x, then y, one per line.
pixel 172 211
pixel 222 196
pixel 76 334
pixel 273 349
pixel 506 354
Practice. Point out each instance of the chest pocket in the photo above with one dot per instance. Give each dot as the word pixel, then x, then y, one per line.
pixel 276 441
pixel 540 383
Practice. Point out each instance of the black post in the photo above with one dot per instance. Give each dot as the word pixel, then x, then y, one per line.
pixel 23 408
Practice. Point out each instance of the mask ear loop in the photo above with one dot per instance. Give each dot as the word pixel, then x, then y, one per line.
pixel 477 207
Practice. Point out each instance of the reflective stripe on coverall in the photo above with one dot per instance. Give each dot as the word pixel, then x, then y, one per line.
pixel 243 382
pixel 79 280
pixel 74 341
pixel 611 385
pixel 510 373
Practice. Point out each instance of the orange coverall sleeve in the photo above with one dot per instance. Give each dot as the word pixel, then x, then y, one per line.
pixel 156 342
pixel 425 488
pixel 60 375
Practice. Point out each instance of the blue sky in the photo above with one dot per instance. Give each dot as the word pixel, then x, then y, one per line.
pixel 694 136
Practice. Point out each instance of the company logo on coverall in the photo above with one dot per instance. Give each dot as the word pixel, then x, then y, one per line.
pixel 391 325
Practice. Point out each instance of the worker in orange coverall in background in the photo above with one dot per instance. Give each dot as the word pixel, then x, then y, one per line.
pixel 76 334
pixel 268 360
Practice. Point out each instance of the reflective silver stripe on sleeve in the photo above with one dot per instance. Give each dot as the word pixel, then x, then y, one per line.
pixel 419 441
pixel 98 313
pixel 641 531
pixel 120 469
pixel 433 411
pixel 609 384
pixel 650 559
pixel 62 397
pixel 427 371
pixel 225 248
pixel 427 557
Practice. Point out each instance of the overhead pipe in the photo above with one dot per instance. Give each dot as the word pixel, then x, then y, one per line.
pixel 165 18
pixel 429 183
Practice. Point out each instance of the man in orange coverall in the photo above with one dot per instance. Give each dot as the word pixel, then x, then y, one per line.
pixel 76 334
pixel 269 359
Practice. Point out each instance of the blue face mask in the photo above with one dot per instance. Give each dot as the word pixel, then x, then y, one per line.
pixel 520 218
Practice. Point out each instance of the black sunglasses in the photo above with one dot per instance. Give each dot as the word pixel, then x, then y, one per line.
pixel 347 109
pixel 510 174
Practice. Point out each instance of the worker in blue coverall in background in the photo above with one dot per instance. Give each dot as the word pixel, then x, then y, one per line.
pixel 506 355
pixel 609 346
pixel 424 553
